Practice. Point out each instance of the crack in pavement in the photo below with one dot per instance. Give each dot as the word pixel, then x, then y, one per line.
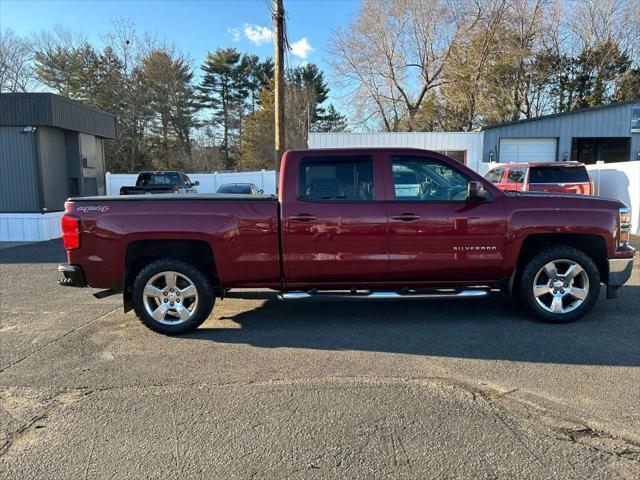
pixel 51 342
pixel 497 401
pixel 58 402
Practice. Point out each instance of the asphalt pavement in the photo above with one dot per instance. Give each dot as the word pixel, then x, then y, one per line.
pixel 312 389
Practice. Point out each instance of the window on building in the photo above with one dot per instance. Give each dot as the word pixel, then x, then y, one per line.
pixel 457 155
pixel 608 150
pixel 331 179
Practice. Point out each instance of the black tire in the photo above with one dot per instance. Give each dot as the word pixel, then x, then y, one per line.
pixel 201 281
pixel 549 254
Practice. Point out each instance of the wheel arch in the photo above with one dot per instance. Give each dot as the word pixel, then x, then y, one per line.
pixel 594 245
pixel 142 252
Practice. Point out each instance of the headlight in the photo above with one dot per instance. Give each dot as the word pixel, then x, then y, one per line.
pixel 625 225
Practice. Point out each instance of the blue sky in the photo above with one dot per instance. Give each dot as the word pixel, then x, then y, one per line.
pixel 194 26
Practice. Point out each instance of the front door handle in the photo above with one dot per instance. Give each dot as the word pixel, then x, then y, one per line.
pixel 303 217
pixel 406 217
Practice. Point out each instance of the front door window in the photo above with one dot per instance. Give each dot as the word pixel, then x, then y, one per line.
pixel 427 180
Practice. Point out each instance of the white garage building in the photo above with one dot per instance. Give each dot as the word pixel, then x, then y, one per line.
pixel 466 147
pixel 609 134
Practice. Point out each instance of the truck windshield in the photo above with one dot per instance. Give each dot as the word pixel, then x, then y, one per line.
pixel 558 175
pixel 235 188
pixel 150 179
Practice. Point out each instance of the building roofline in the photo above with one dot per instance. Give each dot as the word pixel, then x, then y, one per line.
pixel 61 98
pixel 48 109
pixel 554 115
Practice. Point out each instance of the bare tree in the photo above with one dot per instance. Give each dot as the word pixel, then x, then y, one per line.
pixel 392 55
pixel 464 92
pixel 16 58
pixel 596 22
pixel 524 19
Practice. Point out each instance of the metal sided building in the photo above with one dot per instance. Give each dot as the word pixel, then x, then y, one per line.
pixel 51 148
pixel 609 133
pixel 466 147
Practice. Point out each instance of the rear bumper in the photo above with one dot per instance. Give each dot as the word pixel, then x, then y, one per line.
pixel 71 276
pixel 620 270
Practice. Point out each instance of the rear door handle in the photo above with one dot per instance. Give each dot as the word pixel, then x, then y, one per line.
pixel 406 217
pixel 303 217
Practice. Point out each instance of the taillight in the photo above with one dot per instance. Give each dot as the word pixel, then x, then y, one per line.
pixel 70 232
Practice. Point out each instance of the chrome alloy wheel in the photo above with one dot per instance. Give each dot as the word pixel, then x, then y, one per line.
pixel 170 298
pixel 561 286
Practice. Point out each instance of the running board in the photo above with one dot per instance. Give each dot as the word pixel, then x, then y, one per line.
pixel 378 295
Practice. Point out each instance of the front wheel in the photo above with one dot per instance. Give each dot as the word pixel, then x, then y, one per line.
pixel 560 284
pixel 171 296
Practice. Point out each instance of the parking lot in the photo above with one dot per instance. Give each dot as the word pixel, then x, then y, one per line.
pixel 312 389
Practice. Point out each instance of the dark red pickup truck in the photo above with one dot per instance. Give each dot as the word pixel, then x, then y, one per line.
pixel 364 223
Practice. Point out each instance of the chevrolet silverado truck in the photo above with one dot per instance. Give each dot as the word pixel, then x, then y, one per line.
pixel 351 223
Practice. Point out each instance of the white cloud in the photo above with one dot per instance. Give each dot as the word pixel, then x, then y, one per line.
pixel 235 33
pixel 257 34
pixel 302 48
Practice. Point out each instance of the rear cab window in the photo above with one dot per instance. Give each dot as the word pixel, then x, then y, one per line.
pixel 336 179
pixel 558 174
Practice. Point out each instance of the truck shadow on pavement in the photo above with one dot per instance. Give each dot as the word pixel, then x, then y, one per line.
pixel 493 328
pixel 41 252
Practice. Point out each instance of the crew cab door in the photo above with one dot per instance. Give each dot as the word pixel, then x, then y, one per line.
pixel 435 234
pixel 333 220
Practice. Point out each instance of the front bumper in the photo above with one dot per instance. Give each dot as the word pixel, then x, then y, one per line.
pixel 71 276
pixel 620 270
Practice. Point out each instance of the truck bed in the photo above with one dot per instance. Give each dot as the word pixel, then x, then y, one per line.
pixel 240 230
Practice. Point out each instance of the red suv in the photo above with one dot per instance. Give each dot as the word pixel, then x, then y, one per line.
pixel 562 177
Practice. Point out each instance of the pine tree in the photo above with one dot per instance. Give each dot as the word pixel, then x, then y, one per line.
pixel 221 89
pixel 69 71
pixel 330 121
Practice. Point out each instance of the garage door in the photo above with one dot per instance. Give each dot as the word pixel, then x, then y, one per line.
pixel 525 150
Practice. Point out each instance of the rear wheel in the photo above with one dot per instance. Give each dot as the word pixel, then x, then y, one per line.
pixel 172 296
pixel 560 284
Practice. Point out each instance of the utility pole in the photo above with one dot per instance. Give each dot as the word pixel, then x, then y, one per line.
pixel 278 30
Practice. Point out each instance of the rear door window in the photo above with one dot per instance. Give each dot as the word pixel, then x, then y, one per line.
pixel 558 174
pixel 516 175
pixel 337 179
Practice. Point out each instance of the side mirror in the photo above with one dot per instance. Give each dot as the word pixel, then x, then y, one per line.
pixel 196 183
pixel 476 192
pixel 260 191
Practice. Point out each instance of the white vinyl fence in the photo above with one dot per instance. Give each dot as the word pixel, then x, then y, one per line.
pixel 621 181
pixel 209 182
